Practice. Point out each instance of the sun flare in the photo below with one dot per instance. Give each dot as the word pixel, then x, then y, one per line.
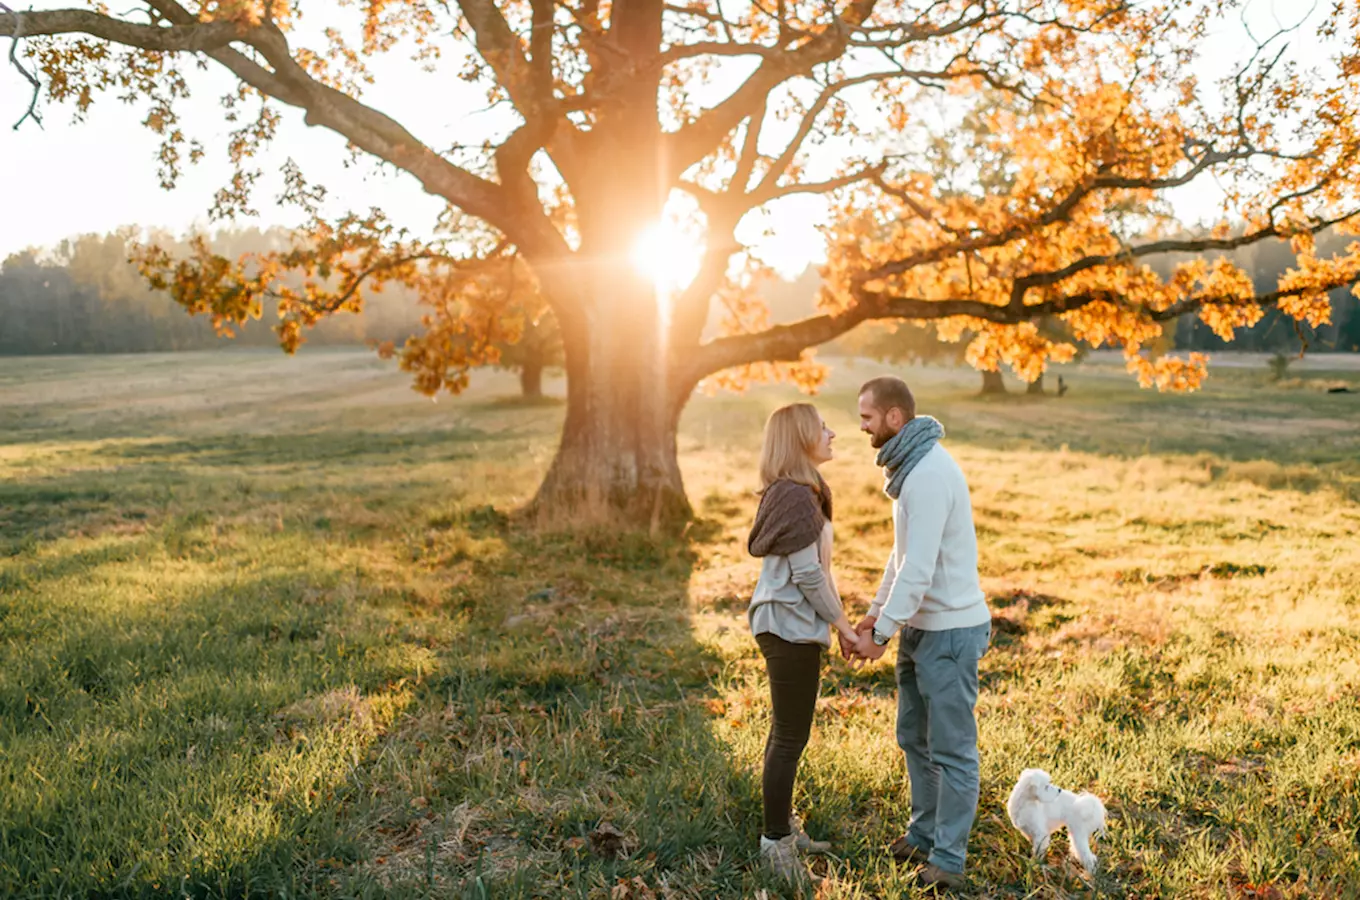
pixel 668 255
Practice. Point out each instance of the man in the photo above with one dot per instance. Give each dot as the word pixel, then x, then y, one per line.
pixel 930 593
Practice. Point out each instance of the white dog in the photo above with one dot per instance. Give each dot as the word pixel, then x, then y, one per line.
pixel 1038 808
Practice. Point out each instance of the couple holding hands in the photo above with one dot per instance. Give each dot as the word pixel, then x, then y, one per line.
pixel 930 599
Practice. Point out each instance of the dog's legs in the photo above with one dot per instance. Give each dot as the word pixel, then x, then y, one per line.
pixel 1040 844
pixel 1081 849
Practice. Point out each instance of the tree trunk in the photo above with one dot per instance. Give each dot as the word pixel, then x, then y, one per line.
pixel 992 383
pixel 617 460
pixel 614 470
pixel 531 377
pixel 1036 386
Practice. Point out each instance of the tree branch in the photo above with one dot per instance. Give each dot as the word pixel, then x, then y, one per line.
pixel 338 300
pixel 677 52
pixel 762 195
pixel 750 149
pixel 785 159
pixel 1101 179
pixel 383 137
pixel 365 127
pixel 734 203
pixel 781 62
pixel 689 311
pixel 690 144
pixel 201 37
pixel 530 85
pixel 1158 248
pixel 787 342
pixel 15 34
pixel 500 47
pixel 541 49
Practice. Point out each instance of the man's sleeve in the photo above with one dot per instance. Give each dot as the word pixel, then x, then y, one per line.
pixel 920 518
pixel 884 586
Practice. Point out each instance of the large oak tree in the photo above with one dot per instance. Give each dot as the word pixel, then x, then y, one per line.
pixel 990 163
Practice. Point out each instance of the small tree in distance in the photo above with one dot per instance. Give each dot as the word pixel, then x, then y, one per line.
pixel 493 315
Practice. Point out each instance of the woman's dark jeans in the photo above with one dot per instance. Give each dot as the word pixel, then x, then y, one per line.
pixel 795 677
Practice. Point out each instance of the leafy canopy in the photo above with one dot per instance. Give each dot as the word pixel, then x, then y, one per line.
pixel 989 164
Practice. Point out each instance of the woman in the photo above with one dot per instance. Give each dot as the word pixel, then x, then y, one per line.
pixel 794 603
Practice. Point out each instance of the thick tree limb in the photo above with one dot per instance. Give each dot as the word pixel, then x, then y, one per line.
pixel 385 138
pixel 528 81
pixel 1161 248
pixel 365 127
pixel 541 49
pixel 750 150
pixel 787 342
pixel 691 143
pixel 678 52
pixel 689 310
pixel 201 37
pixel 635 26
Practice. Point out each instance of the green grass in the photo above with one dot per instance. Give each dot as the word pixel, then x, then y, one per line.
pixel 267 629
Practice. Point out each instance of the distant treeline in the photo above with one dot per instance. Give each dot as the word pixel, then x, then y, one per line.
pixel 1265 263
pixel 84 297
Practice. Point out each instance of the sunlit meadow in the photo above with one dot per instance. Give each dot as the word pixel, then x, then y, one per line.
pixel 271 628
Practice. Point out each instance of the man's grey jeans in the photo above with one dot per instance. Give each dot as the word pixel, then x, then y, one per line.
pixel 937 688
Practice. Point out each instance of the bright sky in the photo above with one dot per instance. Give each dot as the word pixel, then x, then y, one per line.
pixel 71 178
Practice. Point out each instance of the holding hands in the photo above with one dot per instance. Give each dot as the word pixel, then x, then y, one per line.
pixel 857 645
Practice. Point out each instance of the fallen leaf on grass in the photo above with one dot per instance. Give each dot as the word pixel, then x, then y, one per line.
pixel 607 841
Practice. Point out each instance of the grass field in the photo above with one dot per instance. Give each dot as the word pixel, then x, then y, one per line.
pixel 268 629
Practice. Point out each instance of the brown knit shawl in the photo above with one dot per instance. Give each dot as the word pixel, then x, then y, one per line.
pixel 790 517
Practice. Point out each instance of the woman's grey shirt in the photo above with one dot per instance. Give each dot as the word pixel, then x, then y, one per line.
pixel 796 597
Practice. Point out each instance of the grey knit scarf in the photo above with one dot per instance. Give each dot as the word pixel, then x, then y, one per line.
pixel 904 450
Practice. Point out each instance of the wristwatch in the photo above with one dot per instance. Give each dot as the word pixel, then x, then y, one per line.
pixel 880 639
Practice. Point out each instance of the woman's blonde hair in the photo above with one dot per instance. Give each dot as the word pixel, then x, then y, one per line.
pixel 786 453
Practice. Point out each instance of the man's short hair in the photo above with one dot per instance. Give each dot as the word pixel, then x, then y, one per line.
pixel 888 391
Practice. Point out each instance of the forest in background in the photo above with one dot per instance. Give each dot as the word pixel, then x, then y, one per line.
pixel 83 296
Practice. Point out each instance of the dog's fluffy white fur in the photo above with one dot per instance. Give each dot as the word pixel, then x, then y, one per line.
pixel 1038 808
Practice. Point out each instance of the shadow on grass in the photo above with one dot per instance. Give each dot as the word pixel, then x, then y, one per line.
pixel 193 741
pixel 294 718
pixel 578 704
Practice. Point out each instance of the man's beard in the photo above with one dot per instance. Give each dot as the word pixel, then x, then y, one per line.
pixel 878 438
